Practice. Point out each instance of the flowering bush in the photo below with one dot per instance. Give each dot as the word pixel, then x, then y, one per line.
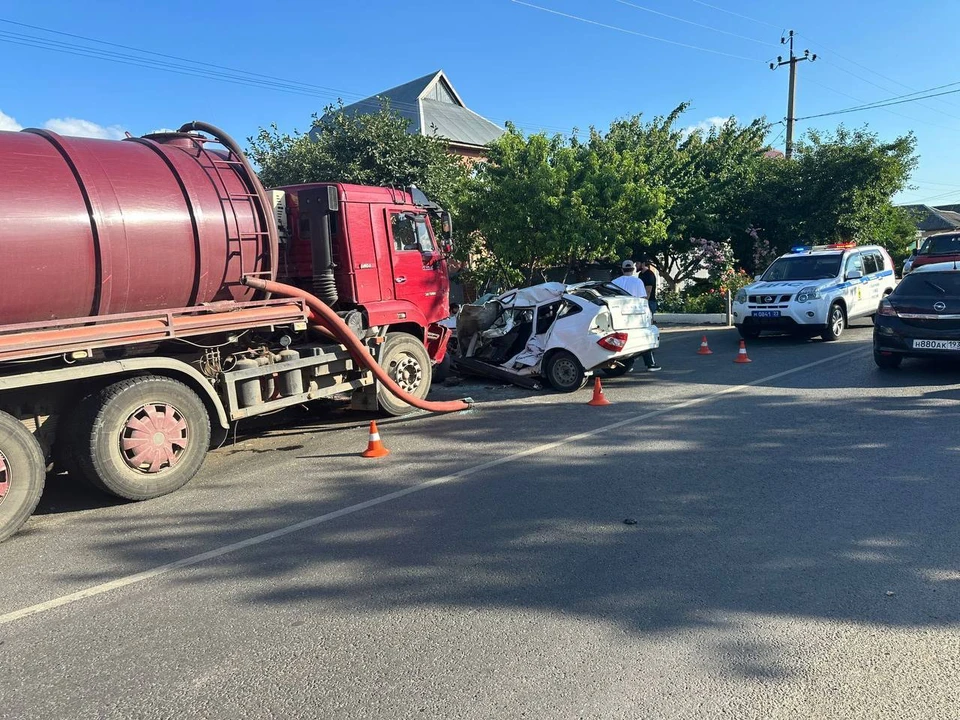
pixel 733 280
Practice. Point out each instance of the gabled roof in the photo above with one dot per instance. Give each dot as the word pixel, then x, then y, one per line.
pixel 931 219
pixel 433 107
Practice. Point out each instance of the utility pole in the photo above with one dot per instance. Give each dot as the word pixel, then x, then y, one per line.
pixel 792 94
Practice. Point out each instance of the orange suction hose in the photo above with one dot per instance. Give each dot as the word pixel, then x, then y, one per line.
pixel 322 315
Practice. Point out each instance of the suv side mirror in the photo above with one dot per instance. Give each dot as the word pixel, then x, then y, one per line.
pixel 854 275
pixel 913 252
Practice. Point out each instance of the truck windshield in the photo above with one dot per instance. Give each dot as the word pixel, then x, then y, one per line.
pixel 803 267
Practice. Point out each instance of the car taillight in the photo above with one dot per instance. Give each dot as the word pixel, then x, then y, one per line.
pixel 614 342
pixel 886 309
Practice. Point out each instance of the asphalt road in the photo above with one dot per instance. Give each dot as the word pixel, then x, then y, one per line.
pixel 794 555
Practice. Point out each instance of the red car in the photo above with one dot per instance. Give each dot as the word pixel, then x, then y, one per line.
pixel 944 247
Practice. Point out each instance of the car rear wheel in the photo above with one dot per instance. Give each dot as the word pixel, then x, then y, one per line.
pixel 836 323
pixel 620 368
pixel 887 362
pixel 748 333
pixel 564 372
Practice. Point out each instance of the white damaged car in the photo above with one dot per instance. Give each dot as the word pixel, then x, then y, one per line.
pixel 560 333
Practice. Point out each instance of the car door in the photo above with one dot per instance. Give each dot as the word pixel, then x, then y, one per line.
pixel 872 265
pixel 853 294
pixel 418 274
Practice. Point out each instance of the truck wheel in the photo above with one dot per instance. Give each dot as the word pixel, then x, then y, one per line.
pixel 836 323
pixel 564 372
pixel 407 362
pixel 147 437
pixel 22 474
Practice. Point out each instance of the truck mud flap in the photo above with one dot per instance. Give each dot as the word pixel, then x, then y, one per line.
pixel 476 367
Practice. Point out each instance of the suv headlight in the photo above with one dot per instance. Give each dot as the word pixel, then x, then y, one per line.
pixel 741 296
pixel 808 294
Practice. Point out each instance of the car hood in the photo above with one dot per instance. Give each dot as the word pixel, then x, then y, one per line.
pixel 782 286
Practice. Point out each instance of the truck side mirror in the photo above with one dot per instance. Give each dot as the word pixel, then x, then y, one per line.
pixel 854 275
pixel 446 227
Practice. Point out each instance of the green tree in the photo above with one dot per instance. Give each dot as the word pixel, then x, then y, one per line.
pixel 367 149
pixel 837 187
pixel 540 202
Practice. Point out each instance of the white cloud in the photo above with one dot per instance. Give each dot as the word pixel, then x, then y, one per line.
pixel 8 123
pixel 84 128
pixel 705 126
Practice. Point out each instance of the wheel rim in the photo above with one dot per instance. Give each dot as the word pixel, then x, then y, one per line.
pixel 565 371
pixel 154 438
pixel 406 372
pixel 4 477
pixel 837 324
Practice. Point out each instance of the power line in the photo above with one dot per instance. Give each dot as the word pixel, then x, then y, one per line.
pixel 884 103
pixel 886 110
pixel 730 12
pixel 631 32
pixel 695 24
pixel 220 73
pixel 865 67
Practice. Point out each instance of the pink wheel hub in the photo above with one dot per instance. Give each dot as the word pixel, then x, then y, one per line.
pixel 154 438
pixel 4 477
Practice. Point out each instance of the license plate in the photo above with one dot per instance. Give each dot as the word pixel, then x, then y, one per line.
pixel 766 313
pixel 936 344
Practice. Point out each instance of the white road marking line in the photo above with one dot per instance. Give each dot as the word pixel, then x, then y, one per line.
pixel 320 519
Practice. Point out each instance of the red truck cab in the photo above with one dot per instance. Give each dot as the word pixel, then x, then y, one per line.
pixel 370 253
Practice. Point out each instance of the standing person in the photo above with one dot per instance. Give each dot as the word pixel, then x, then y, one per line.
pixel 629 281
pixel 649 279
pixel 632 284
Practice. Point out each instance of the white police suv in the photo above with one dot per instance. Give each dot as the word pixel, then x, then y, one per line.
pixel 815 291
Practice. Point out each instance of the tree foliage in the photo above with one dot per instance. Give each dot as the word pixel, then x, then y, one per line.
pixel 367 149
pixel 838 186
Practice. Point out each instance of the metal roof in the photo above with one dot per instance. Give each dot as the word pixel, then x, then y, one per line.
pixel 448 118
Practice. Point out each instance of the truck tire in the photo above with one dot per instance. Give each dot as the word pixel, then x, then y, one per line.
pixel 22 474
pixel 147 437
pixel 564 372
pixel 407 362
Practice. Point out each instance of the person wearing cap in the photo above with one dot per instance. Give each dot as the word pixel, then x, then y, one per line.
pixel 629 281
pixel 632 284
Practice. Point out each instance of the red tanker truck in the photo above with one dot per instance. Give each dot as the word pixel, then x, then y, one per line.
pixel 153 293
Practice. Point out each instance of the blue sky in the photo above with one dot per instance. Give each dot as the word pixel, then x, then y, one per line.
pixel 507 60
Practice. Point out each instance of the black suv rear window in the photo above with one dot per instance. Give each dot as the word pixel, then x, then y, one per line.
pixel 929 284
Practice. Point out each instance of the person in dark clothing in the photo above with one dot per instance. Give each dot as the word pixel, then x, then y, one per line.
pixel 649 280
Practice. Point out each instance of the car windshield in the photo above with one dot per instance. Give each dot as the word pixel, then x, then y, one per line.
pixel 941 245
pixel 930 284
pixel 803 267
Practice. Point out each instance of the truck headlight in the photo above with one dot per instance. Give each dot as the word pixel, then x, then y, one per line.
pixel 741 296
pixel 808 294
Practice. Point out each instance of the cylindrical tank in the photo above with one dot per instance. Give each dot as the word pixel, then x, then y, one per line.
pixel 97 227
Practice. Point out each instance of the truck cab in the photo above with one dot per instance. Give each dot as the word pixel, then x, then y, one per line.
pixel 370 253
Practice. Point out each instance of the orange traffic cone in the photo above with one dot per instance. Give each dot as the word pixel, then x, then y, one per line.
pixel 598 397
pixel 375 448
pixel 742 354
pixel 704 348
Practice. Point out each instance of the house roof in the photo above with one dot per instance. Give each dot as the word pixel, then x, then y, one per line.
pixel 931 219
pixel 433 107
